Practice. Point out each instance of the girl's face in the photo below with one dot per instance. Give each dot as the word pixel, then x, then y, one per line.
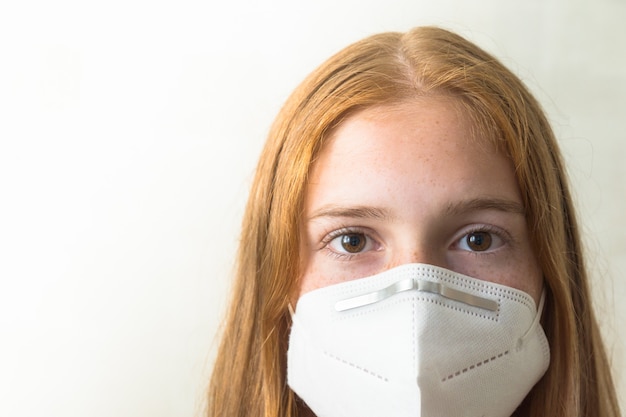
pixel 409 184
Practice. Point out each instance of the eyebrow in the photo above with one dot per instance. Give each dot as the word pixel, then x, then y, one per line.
pixel 357 212
pixel 452 209
pixel 477 204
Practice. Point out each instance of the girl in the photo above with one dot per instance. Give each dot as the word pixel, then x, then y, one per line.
pixel 410 246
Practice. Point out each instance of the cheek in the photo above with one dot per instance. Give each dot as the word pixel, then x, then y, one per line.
pixel 529 279
pixel 526 275
pixel 311 279
pixel 313 273
pixel 520 271
pixel 321 271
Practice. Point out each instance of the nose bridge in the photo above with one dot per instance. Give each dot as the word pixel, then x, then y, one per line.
pixel 418 253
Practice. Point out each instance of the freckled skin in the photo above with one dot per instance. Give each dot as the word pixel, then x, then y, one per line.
pixel 413 161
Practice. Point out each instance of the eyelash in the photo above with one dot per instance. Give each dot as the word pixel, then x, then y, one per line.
pixel 485 228
pixel 346 230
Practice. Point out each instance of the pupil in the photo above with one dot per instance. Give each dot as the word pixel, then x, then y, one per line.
pixel 353 243
pixel 479 241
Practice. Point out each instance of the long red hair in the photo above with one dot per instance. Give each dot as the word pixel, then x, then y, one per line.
pixel 249 375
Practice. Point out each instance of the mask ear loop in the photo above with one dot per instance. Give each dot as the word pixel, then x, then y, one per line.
pixel 535 322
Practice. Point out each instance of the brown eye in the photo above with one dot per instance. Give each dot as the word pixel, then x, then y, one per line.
pixel 478 241
pixel 353 242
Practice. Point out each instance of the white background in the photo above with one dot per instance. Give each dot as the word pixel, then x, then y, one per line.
pixel 129 131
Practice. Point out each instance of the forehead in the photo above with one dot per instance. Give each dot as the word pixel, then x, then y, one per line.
pixel 416 145
pixel 440 115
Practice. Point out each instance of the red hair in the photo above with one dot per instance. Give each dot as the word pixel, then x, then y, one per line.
pixel 249 373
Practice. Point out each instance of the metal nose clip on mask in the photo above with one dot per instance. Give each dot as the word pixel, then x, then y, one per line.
pixel 416 340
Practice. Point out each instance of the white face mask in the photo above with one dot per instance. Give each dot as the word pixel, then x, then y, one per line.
pixel 416 340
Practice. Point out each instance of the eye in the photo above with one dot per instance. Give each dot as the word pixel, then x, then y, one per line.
pixel 350 243
pixel 479 241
